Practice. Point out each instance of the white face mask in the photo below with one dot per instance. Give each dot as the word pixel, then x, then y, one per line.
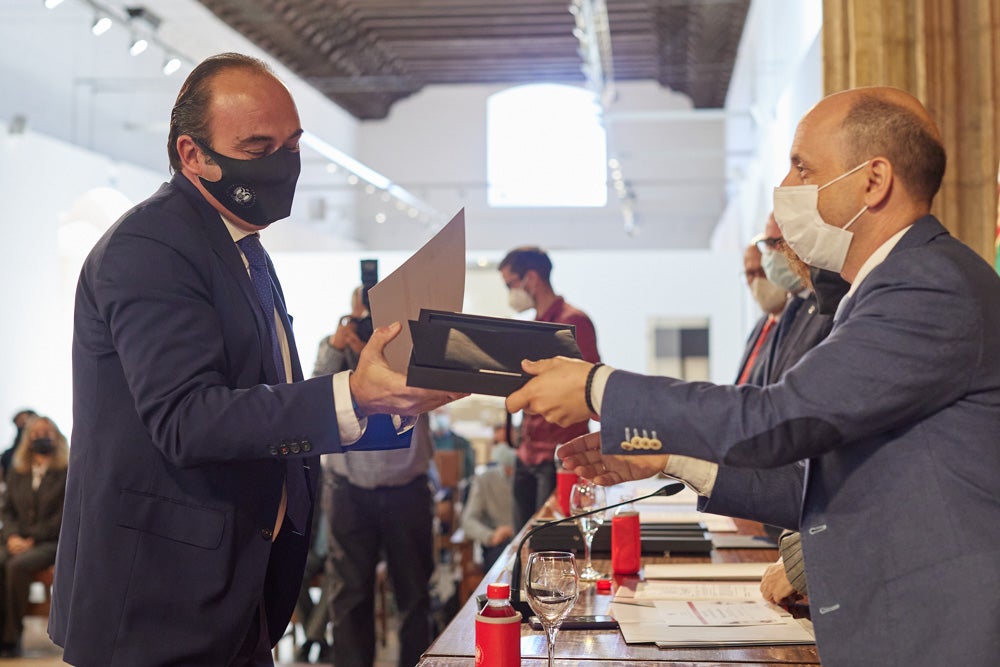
pixel 779 272
pixel 816 242
pixel 519 299
pixel 768 296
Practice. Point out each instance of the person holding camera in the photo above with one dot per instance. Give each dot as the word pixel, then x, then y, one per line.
pixel 384 510
pixel 342 348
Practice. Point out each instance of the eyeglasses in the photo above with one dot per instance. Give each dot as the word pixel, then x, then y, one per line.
pixel 770 243
pixel 754 273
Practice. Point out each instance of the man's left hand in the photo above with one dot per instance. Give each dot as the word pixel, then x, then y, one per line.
pixel 556 392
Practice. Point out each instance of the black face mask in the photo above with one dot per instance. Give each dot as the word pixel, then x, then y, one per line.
pixel 43 446
pixel 829 287
pixel 259 191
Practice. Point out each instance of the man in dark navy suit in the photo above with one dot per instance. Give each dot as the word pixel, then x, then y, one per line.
pixel 196 442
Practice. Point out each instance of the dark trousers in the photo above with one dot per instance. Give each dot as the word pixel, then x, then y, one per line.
pixel 532 487
pixel 18 572
pixel 364 525
pixel 314 615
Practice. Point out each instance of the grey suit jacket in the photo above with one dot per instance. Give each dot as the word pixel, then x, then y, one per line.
pixel 898 414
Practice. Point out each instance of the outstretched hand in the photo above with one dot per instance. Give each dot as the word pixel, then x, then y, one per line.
pixel 775 586
pixel 556 392
pixel 377 389
pixel 583 456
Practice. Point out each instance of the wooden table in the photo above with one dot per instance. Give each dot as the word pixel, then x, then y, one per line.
pixel 455 647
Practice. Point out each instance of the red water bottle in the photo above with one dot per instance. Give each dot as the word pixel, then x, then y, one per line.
pixel 498 630
pixel 626 541
pixel 498 602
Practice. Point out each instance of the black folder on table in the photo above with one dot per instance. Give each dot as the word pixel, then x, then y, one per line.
pixel 655 538
pixel 476 354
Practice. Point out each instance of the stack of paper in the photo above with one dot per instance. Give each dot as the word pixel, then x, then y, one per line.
pixel 699 612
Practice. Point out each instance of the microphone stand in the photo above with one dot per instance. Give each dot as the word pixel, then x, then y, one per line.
pixel 515 576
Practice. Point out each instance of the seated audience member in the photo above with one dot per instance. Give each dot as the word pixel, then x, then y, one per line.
pixel 32 514
pixel 446 440
pixel 488 516
pixel 21 418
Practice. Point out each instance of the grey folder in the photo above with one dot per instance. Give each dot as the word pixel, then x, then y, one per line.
pixel 481 355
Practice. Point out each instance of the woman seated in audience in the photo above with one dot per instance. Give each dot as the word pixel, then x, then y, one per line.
pixel 32 512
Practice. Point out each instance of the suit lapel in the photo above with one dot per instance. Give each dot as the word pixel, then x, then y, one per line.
pixel 219 239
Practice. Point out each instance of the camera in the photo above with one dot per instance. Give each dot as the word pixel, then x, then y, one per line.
pixel 369 277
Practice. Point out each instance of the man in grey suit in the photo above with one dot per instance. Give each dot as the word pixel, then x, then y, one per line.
pixel 896 413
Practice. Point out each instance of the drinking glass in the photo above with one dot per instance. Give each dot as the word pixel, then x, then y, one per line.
pixel 551 586
pixel 583 498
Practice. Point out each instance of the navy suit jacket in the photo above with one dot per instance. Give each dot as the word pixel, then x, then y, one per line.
pixel 898 414
pixel 182 437
pixel 801 328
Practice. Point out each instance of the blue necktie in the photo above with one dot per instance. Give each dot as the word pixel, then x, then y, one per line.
pixel 297 508
pixel 261 278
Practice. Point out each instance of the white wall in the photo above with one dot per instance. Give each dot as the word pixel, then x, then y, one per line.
pixel 40 180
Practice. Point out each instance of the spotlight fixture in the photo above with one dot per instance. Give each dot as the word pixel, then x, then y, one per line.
pixel 52 4
pixel 100 26
pixel 138 46
pixel 171 65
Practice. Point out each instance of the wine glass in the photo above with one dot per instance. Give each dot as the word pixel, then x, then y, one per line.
pixel 551 586
pixel 582 498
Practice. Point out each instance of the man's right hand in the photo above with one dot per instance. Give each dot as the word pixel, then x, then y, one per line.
pixel 377 389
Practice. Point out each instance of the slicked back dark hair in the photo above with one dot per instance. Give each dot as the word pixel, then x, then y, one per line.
pixel 528 258
pixel 190 112
pixel 875 127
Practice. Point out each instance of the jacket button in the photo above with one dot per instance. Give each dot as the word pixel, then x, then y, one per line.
pixel 284 450
pixel 306 446
pixel 273 450
pixel 266 533
pixel 295 448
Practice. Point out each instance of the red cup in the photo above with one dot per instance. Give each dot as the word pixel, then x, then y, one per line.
pixel 565 480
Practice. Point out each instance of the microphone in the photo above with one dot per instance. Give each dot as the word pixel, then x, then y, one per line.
pixel 515 576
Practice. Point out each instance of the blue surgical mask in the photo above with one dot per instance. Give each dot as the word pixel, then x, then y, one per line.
pixel 779 272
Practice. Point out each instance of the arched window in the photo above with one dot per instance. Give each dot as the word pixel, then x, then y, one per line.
pixel 545 146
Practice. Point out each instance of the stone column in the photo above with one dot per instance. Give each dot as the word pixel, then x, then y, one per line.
pixel 947 53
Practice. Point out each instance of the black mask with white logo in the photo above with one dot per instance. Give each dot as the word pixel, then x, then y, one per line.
pixel 259 191
pixel 829 287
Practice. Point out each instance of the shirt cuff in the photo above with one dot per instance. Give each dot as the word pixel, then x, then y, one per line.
pixel 348 424
pixel 597 386
pixel 699 475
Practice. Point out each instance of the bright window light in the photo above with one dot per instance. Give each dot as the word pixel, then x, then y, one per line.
pixel 545 146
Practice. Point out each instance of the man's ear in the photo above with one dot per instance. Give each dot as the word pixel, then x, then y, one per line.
pixel 880 181
pixel 530 279
pixel 194 160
